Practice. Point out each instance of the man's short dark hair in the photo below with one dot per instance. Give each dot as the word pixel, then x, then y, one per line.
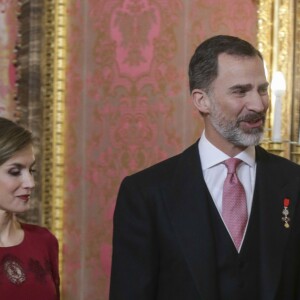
pixel 203 67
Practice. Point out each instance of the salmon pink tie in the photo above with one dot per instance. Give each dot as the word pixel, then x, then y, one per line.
pixel 234 205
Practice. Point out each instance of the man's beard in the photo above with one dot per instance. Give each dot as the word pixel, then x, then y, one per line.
pixel 232 131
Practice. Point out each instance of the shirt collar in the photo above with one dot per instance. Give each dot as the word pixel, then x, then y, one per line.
pixel 211 155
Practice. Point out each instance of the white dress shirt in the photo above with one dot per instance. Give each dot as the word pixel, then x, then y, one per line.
pixel 215 171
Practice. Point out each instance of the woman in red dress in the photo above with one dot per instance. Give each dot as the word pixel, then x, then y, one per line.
pixel 28 253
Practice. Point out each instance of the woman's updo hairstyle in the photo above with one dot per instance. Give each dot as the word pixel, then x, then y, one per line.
pixel 13 138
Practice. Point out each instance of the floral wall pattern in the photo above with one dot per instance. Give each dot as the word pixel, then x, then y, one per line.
pixel 128 107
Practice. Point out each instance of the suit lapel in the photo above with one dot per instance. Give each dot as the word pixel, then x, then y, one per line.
pixel 190 217
pixel 270 191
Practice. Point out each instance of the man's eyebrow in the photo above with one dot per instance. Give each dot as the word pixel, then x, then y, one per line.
pixel 246 87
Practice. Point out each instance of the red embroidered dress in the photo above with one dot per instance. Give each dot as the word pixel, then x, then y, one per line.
pixel 29 271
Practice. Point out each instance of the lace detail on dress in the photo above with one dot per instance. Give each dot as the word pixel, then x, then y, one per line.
pixel 13 269
pixel 39 272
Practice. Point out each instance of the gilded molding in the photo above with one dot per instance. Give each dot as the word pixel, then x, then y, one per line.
pixel 275 41
pixel 296 89
pixel 283 59
pixel 264 42
pixel 53 94
pixel 264 34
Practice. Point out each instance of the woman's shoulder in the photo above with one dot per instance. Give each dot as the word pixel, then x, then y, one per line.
pixel 38 231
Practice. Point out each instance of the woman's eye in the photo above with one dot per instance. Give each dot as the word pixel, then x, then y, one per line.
pixel 32 171
pixel 14 172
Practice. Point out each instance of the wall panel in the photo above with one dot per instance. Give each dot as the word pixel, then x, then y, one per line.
pixel 128 107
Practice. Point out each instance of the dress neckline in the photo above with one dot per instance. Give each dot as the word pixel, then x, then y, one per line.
pixel 20 243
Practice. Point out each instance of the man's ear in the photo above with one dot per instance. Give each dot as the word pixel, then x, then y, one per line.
pixel 201 100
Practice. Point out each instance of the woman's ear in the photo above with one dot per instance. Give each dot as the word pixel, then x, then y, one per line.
pixel 201 101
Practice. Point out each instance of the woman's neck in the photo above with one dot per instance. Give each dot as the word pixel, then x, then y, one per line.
pixel 11 232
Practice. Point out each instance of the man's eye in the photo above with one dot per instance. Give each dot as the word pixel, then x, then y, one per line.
pixel 263 91
pixel 240 92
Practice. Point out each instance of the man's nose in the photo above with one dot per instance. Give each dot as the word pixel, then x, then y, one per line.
pixel 258 103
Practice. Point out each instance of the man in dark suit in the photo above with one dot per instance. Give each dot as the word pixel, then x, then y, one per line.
pixel 172 238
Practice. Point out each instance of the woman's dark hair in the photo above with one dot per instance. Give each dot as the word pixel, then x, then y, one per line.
pixel 13 138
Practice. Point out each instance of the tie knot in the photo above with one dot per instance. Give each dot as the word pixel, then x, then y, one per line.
pixel 232 164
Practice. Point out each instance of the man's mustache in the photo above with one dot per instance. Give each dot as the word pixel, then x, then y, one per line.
pixel 252 117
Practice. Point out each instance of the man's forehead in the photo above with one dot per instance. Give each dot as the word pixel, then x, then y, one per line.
pixel 249 86
pixel 244 65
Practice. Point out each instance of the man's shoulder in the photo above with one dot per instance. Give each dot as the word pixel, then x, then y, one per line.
pixel 276 161
pixel 168 168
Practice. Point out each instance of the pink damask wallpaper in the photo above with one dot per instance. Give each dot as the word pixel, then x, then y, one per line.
pixel 128 107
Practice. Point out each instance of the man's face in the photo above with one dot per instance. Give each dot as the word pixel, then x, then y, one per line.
pixel 237 101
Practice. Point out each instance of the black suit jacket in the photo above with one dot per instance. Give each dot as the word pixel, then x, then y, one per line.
pixel 163 246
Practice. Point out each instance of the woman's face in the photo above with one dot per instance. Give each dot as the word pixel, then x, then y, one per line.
pixel 16 181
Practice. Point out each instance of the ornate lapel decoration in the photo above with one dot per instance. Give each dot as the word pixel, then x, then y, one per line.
pixel 285 212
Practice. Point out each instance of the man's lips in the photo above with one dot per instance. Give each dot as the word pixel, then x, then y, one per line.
pixel 254 123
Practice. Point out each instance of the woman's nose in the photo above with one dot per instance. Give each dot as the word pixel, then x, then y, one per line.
pixel 29 182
